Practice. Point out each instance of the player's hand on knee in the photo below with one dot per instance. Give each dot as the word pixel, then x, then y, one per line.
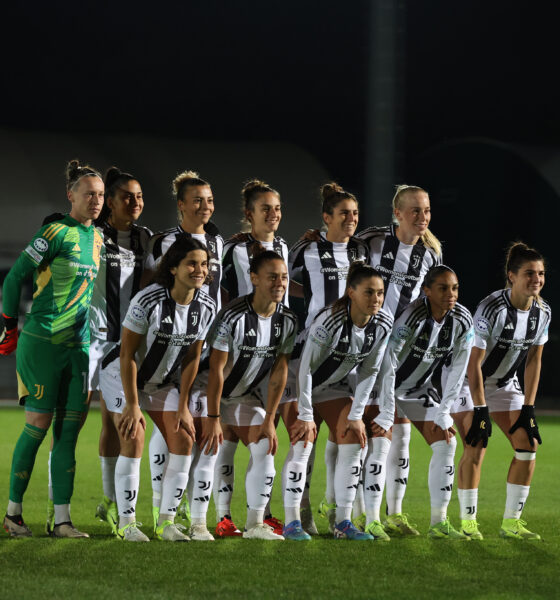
pixel 212 435
pixel 268 430
pixel 305 431
pixel 481 427
pixel 184 420
pixel 358 428
pixel 131 420
pixel 8 334
pixel 528 422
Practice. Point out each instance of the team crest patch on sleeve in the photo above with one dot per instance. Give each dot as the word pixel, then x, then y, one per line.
pixel 222 331
pixel 321 334
pixel 482 325
pixel 138 312
pixel 33 254
pixel 41 245
pixel 403 332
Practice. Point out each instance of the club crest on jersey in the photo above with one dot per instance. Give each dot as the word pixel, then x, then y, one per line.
pixel 41 245
pixel 212 246
pixel 277 330
pixel 370 338
pixel 415 261
pixel 445 333
pixel 194 318
pixel 353 255
pixel 533 322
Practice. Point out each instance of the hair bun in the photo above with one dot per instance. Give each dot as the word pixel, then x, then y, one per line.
pixel 331 189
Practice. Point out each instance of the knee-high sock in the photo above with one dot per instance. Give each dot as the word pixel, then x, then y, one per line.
pixel 158 458
pixel 194 462
pixel 398 467
pixel 108 464
pixel 173 485
pixel 440 478
pixel 346 477
pixel 293 479
pixel 308 475
pixel 374 476
pixel 224 475
pixel 258 482
pixel 359 507
pixel 331 453
pixel 202 478
pixel 516 496
pixel 127 483
pixel 63 461
pixel 23 460
pixel 468 503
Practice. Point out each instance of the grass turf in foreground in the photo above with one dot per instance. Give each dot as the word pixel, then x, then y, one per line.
pixel 103 567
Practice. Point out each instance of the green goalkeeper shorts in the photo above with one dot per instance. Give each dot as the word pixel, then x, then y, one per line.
pixel 51 376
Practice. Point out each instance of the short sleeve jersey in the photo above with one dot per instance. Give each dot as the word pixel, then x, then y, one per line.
pixel 160 242
pixel 236 260
pixel 507 333
pixel 64 257
pixel 120 271
pixel 168 329
pixel 322 267
pixel 401 266
pixel 253 343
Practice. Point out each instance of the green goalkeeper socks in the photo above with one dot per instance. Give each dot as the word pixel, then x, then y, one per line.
pixel 63 462
pixel 24 459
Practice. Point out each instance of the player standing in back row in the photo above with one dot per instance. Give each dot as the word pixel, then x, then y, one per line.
pixel 402 252
pixel 52 353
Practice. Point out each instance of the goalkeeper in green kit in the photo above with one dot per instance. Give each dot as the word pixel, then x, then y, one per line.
pixel 52 352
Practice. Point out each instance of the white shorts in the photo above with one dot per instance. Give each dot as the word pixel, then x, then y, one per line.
pixel 340 389
pixel 198 402
pixel 243 411
pixel 165 399
pixel 420 405
pixel 507 398
pixel 98 350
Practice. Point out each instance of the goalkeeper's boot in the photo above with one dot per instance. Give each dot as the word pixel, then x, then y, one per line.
pixel 375 529
pixel 15 526
pixel 397 525
pixel 514 529
pixel 329 512
pixel 445 531
pixel 67 530
pixel 132 533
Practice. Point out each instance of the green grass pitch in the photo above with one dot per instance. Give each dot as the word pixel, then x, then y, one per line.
pixel 103 567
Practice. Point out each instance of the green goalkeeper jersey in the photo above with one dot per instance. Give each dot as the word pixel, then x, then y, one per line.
pixel 64 259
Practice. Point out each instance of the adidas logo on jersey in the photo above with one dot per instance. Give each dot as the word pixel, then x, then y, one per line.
pixel 251 332
pixel 326 255
pixel 168 320
pixel 76 248
pixel 389 255
pixel 509 326
pixel 344 340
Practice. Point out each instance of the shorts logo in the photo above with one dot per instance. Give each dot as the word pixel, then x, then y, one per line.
pixel 198 406
pixel 138 312
pixel 41 245
pixel 39 391
pixel 463 400
pixel 118 402
pixel 482 325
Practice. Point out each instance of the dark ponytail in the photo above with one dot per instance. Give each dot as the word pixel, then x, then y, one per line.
pixel 114 178
pixel 332 194
pixel 75 171
pixel 519 253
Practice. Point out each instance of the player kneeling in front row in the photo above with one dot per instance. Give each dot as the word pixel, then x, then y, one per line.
pixel 511 327
pixel 430 332
pixel 350 334
pixel 251 343
pixel 162 334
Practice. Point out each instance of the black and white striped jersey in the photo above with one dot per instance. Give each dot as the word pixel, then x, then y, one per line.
pixel 160 243
pixel 168 329
pixel 236 260
pixel 120 270
pixel 322 268
pixel 507 333
pixel 253 343
pixel 334 347
pixel 418 347
pixel 402 266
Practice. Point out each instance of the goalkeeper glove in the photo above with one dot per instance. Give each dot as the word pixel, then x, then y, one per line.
pixel 481 428
pixel 528 422
pixel 8 334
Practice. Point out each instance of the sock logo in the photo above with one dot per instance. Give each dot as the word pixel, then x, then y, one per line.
pixel 356 470
pixel 180 492
pixel 295 476
pixel 471 510
pixel 226 488
pixel 296 490
pixel 521 505
pixel 204 485
pixel 402 481
pixel 157 478
pixel 265 495
pixel 159 459
pixel 450 469
pixel 129 495
pixel 403 463
pixel 447 488
pixel 376 469
pixel 130 511
pixel 374 488
pixel 227 470
pixel 202 499
pixel 269 480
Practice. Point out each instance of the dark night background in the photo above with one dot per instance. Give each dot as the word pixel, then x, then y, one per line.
pixel 475 80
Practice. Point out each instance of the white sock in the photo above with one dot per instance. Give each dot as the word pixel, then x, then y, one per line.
pixel 516 497
pixel 223 479
pixel 374 476
pixel 158 457
pixel 108 464
pixel 49 475
pixel 359 506
pixel 346 477
pixel 260 475
pixel 194 462
pixel 61 513
pixel 468 503
pixel 308 475
pixel 173 485
pixel 398 467
pixel 331 453
pixel 202 477
pixel 293 479
pixel 440 478
pixel 14 508
pixel 127 482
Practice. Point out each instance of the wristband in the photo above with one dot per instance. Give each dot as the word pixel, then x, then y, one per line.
pixel 213 416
